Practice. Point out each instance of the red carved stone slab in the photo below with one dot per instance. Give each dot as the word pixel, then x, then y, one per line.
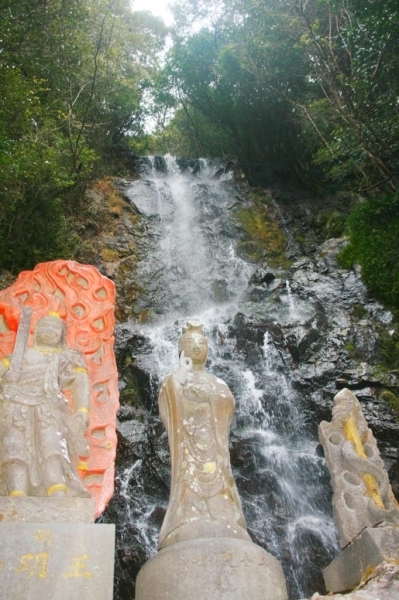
pixel 84 299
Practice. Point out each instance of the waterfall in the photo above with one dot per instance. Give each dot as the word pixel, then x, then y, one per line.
pixel 191 269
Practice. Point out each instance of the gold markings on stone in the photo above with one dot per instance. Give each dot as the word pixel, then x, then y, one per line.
pixel 352 434
pixel 44 535
pixel 209 467
pixel 78 567
pixel 35 565
pixel 58 487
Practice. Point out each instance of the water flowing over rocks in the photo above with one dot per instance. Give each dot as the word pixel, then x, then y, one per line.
pixel 284 339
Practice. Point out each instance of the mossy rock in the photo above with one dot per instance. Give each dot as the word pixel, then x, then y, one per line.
pixel 264 238
pixel 329 224
pixel 335 225
pixel 251 251
pixel 358 311
pixel 388 350
pixel 392 399
pixel 109 255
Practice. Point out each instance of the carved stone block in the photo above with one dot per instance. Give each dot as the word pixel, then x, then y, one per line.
pixel 370 549
pixel 362 494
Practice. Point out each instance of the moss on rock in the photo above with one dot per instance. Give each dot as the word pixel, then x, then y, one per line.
pixel 264 237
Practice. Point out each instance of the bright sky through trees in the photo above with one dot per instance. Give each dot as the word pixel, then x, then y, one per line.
pixel 157 7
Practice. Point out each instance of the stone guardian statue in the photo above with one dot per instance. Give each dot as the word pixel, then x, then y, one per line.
pixel 58 403
pixel 41 439
pixel 58 389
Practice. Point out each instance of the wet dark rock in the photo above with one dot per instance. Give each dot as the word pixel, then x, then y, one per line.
pixel 143 198
pixel 185 164
pixel 250 337
pixel 220 290
pixel 256 294
pixel 160 164
pixel 292 347
pixel 261 276
pixel 157 516
pixel 309 344
pixel 134 381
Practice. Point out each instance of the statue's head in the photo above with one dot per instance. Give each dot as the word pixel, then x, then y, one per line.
pixel 51 331
pixel 193 342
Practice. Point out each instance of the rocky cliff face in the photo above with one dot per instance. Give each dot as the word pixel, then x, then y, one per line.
pixel 287 328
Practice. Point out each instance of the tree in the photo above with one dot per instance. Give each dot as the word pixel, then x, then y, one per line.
pixel 295 84
pixel 72 76
pixel 353 50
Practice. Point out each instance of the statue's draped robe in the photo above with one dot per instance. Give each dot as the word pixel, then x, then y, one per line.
pixel 36 419
pixel 204 501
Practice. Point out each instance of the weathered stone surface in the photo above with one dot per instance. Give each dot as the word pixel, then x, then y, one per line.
pixel 45 510
pixel 217 569
pixel 57 561
pixel 362 494
pixel 366 552
pixel 381 584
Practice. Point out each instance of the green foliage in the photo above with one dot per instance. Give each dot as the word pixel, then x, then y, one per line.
pixel 71 78
pixel 192 133
pixel 227 103
pixel 358 311
pixel 374 233
pixel 292 87
pixel 353 47
pixel 346 258
pixel 329 224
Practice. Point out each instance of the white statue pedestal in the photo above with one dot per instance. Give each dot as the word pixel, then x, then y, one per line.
pixel 217 568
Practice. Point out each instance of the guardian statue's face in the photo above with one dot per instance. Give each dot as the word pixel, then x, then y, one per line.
pixel 50 332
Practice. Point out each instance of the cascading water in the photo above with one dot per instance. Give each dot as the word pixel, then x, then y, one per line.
pixel 192 270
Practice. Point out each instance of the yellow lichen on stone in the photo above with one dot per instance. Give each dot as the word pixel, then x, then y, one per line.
pixel 209 467
pixel 352 434
pixel 367 573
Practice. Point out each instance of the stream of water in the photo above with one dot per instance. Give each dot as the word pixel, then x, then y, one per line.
pixel 194 271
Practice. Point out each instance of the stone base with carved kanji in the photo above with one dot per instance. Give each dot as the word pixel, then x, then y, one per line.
pixel 56 560
pixel 217 568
